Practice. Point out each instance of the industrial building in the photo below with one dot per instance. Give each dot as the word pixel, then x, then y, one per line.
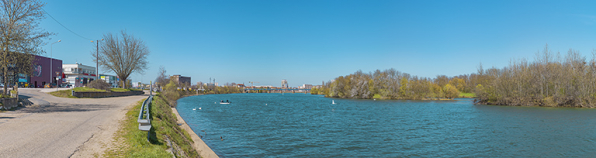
pixel 44 71
pixel 182 80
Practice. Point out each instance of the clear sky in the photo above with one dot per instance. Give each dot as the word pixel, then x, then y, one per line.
pixel 312 41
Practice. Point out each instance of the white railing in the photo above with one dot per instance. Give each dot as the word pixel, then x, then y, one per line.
pixel 144 116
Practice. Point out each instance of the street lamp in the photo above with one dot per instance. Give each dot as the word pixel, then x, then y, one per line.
pixel 51 61
pixel 97 61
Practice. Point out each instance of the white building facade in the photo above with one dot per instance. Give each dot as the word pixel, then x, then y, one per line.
pixel 306 86
pixel 110 79
pixel 78 75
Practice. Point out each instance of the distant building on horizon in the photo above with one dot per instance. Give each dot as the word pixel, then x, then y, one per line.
pixel 306 86
pixel 182 80
pixel 284 84
pixel 240 85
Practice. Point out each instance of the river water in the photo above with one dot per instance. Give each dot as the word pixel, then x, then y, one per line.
pixel 304 125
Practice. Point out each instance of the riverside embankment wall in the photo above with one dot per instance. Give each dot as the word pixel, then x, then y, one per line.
pixel 199 145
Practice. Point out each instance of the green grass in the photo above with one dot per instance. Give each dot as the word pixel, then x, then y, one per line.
pixel 120 90
pixel 131 142
pixel 86 89
pixel 377 96
pixel 165 119
pixel 124 90
pixel 63 94
pixel 467 95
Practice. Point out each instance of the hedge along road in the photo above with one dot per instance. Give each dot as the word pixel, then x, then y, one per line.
pixel 61 127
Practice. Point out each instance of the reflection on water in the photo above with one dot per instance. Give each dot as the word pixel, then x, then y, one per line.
pixel 294 125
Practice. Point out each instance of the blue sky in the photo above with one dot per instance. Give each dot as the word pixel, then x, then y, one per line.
pixel 313 41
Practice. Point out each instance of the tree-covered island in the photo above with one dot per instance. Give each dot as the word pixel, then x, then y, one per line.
pixel 551 80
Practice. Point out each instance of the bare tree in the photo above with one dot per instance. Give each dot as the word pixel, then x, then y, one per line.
pixel 123 55
pixel 20 36
pixel 162 79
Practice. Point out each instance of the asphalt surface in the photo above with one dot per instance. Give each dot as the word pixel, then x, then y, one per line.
pixel 56 127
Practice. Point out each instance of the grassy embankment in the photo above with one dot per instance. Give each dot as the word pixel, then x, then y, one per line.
pixel 132 142
pixel 467 95
pixel 68 94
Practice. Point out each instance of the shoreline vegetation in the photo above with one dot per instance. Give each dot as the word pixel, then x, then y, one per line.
pixel 392 84
pixel 551 80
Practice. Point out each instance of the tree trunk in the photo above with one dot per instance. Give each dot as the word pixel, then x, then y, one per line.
pixel 5 69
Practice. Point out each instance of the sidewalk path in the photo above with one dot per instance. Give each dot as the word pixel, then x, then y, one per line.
pixel 59 127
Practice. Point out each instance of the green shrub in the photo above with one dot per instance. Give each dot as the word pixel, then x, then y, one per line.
pixel 171 93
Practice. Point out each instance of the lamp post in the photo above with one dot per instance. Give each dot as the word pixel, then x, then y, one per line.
pixel 51 63
pixel 97 60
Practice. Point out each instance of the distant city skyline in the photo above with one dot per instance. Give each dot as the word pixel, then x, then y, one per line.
pixel 307 42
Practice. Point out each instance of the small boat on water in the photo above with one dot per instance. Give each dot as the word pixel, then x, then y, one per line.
pixel 332 101
pixel 226 102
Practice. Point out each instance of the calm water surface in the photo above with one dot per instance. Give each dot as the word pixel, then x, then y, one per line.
pixel 304 125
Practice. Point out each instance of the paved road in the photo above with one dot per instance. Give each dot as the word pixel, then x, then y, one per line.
pixel 56 127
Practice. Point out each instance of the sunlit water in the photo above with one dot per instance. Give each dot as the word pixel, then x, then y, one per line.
pixel 304 125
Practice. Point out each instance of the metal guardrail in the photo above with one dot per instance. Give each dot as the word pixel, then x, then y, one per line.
pixel 144 116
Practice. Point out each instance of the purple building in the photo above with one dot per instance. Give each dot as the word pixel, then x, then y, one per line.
pixel 45 70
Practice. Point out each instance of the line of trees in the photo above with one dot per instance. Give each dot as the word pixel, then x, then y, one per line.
pixel 226 89
pixel 550 80
pixel 392 84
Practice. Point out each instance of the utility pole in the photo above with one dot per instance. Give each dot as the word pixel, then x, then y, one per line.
pixel 97 60
pixel 51 64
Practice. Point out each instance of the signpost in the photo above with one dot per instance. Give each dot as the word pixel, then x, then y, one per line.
pixel 58 78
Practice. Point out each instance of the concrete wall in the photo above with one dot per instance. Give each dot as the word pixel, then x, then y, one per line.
pixel 105 94
pixel 9 103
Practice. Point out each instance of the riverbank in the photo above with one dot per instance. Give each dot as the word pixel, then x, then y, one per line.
pixel 198 144
pixel 165 139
